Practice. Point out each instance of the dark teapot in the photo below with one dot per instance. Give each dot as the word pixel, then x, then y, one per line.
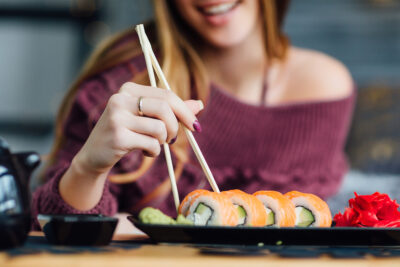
pixel 15 216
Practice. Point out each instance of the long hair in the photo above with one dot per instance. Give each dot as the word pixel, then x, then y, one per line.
pixel 182 65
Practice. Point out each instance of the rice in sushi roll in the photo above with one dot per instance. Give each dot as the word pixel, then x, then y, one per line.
pixel 185 204
pixel 250 209
pixel 310 210
pixel 209 208
pixel 280 211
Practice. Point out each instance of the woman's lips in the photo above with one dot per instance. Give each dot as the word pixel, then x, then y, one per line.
pixel 219 13
pixel 218 9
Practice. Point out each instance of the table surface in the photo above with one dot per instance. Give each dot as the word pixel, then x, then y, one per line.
pixel 137 250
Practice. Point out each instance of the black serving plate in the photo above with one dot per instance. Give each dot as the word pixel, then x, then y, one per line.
pixel 334 236
pixel 78 229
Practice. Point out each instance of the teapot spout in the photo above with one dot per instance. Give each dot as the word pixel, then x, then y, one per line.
pixel 29 160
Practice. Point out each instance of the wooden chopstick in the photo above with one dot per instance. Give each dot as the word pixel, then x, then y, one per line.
pixel 146 48
pixel 189 134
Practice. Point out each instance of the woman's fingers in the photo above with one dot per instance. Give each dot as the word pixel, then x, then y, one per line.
pixel 143 142
pixel 164 125
pixel 180 109
pixel 195 105
pixel 160 109
pixel 148 126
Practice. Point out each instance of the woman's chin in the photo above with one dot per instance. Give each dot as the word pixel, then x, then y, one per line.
pixel 225 41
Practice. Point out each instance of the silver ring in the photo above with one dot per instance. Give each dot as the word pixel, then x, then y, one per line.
pixel 140 106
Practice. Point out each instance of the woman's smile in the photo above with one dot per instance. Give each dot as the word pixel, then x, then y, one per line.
pixel 218 13
pixel 221 23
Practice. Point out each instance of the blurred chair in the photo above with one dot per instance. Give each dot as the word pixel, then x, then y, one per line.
pixel 374 142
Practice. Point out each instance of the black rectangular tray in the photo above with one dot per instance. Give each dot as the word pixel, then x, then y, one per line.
pixel 334 236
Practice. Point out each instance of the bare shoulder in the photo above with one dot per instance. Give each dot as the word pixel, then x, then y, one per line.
pixel 317 76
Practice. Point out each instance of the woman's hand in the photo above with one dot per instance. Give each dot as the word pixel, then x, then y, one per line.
pixel 121 130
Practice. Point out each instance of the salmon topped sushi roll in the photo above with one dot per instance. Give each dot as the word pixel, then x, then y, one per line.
pixel 210 208
pixel 280 211
pixel 250 209
pixel 185 204
pixel 310 210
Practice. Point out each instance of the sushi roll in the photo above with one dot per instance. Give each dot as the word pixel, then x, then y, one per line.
pixel 310 210
pixel 280 211
pixel 185 204
pixel 209 208
pixel 250 209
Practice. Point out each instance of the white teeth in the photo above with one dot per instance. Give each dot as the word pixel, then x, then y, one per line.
pixel 218 9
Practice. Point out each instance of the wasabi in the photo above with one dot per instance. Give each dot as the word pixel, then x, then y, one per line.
pixel 183 221
pixel 154 216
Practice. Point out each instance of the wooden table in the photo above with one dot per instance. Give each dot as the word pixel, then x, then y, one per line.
pixel 145 254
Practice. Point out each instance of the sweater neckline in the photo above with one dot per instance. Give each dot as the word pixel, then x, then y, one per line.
pixel 219 91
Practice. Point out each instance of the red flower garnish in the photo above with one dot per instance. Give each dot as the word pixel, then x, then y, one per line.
pixel 376 210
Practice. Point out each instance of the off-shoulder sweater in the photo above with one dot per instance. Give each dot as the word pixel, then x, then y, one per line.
pixel 297 146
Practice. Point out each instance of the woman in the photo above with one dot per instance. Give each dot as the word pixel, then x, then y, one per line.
pixel 275 117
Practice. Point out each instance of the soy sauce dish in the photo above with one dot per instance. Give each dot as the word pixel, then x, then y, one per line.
pixel 78 229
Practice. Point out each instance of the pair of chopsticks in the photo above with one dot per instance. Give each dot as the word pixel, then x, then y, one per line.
pixel 153 65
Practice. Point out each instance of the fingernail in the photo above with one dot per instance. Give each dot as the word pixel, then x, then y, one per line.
pixel 201 105
pixel 197 126
pixel 173 140
pixel 147 154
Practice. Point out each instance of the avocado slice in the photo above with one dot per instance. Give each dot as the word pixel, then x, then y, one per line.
pixel 242 212
pixel 304 217
pixel 270 217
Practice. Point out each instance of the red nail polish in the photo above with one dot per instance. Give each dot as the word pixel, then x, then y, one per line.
pixel 197 126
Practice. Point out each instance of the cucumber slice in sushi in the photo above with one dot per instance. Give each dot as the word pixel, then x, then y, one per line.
pixel 202 208
pixel 242 215
pixel 201 215
pixel 304 217
pixel 270 217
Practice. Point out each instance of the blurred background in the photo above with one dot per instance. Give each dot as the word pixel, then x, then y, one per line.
pixel 44 42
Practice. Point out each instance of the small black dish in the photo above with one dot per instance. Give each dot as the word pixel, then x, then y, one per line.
pixel 14 230
pixel 78 229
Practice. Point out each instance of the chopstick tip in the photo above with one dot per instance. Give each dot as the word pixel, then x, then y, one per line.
pixel 138 27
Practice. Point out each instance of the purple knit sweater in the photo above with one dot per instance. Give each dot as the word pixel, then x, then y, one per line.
pixel 289 147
